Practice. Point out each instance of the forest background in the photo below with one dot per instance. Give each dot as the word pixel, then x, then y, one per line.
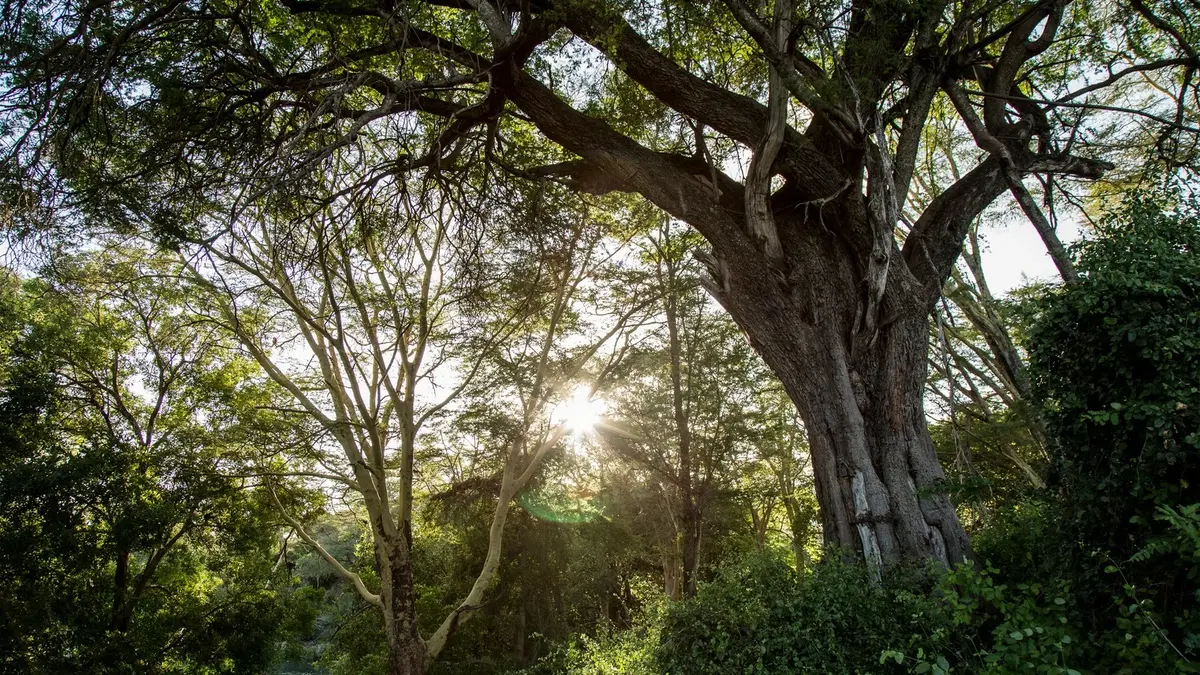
pixel 451 336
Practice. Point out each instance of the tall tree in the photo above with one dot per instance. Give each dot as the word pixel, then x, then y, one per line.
pixel 132 536
pixel 376 313
pixel 692 398
pixel 149 110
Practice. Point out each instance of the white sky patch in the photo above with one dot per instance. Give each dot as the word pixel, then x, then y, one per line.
pixel 1014 255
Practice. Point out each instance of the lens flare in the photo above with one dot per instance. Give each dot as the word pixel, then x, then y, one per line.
pixel 579 412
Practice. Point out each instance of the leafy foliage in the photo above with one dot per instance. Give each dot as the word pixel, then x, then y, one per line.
pixel 125 547
pixel 1116 358
pixel 758 617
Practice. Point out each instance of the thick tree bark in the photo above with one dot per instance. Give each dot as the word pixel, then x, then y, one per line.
pixel 860 396
pixel 837 309
pixel 840 317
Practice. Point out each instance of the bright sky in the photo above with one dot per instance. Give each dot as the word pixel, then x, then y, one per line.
pixel 1013 253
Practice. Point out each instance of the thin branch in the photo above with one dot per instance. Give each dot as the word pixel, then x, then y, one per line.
pixel 341 571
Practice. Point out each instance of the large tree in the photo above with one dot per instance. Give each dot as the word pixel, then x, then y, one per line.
pixel 380 317
pixel 696 399
pixel 131 537
pixel 153 112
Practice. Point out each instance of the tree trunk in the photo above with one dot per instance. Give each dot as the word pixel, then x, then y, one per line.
pixel 406 650
pixel 519 638
pixel 691 521
pixel 877 477
pixel 119 621
pixel 760 524
pixel 690 513
pixel 799 522
pixel 800 553
pixel 839 311
pixel 671 586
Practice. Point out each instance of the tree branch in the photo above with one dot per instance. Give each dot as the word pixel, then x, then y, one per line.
pixel 338 568
pixel 739 117
pixel 625 161
pixel 774 48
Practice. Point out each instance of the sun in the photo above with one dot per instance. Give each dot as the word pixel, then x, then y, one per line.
pixel 579 412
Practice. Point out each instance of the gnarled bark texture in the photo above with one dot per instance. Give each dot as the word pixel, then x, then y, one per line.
pixel 815 275
pixel 839 310
pixel 860 396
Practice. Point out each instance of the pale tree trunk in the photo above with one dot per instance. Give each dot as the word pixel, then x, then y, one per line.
pixel 800 554
pixel 761 522
pixel 672 588
pixel 690 514
pixel 671 548
pixel 691 522
pixel 982 314
pixel 997 364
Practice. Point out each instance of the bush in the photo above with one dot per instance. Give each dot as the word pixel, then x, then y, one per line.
pixel 1115 358
pixel 616 652
pixel 1022 628
pixel 759 618
pixel 1039 606
pixel 611 651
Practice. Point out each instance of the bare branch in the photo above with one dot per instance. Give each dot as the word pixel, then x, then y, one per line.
pixel 338 568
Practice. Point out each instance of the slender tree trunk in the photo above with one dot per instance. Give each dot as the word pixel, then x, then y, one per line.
pixel 406 650
pixel 691 521
pixel 799 552
pixel 519 638
pixel 759 524
pixel 860 395
pixel 120 584
pixel 671 586
pixel 800 533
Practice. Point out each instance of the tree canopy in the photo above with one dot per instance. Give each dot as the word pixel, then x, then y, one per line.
pixel 436 332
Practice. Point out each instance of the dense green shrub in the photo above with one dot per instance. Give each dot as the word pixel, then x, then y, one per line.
pixel 1115 357
pixel 612 652
pixel 1115 360
pixel 1027 540
pixel 757 617
pixel 998 629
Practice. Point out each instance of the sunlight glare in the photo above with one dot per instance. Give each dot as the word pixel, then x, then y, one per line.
pixel 579 412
